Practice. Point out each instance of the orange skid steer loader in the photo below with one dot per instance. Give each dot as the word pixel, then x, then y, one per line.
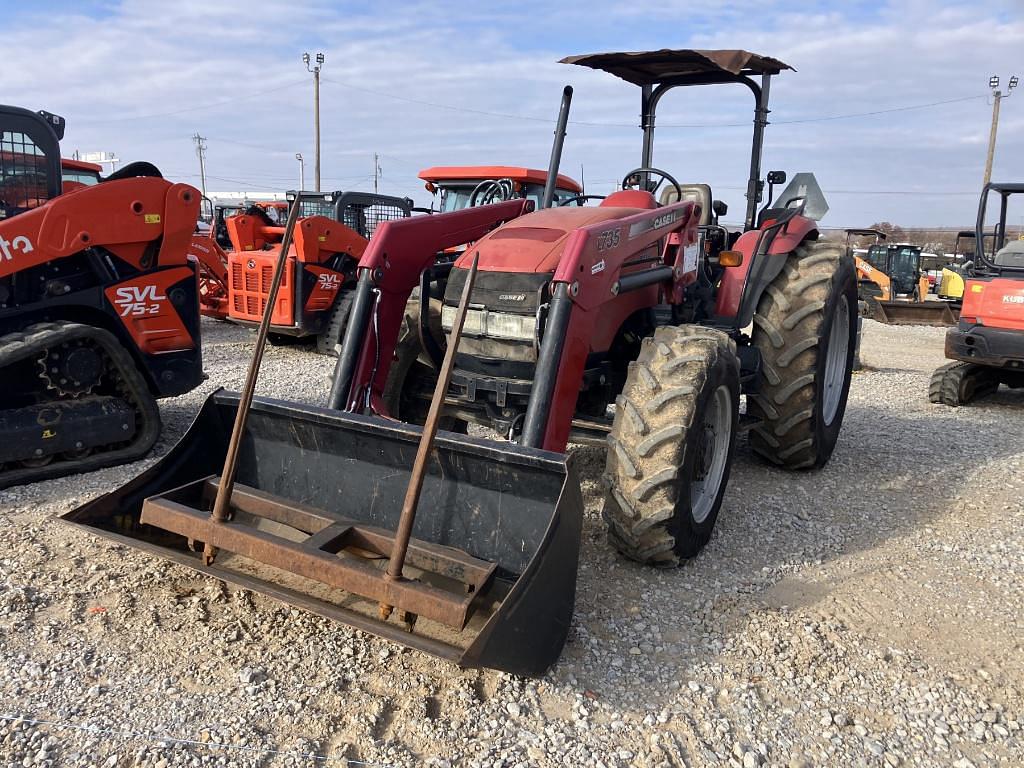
pixel 98 306
pixel 466 547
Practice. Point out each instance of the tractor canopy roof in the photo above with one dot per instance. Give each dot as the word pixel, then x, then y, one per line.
pixel 1012 188
pixel 680 67
pixel 483 172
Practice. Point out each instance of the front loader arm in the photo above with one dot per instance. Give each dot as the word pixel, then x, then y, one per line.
pixel 591 274
pixel 388 271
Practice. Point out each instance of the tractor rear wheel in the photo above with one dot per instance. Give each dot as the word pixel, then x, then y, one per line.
pixel 671 444
pixel 806 330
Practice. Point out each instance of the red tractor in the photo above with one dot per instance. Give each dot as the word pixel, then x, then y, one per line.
pixel 638 324
pixel 640 302
pixel 987 346
pixel 466 186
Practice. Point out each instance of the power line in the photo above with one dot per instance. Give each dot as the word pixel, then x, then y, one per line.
pixel 196 108
pixel 532 118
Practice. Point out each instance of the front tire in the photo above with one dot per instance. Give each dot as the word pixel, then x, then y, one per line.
pixel 806 330
pixel 671 445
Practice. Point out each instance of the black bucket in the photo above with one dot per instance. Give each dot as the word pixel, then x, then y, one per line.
pixel 516 507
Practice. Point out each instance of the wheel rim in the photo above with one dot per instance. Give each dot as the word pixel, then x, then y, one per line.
pixel 712 454
pixel 835 361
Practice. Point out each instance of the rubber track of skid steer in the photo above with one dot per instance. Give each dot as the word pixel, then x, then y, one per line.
pixel 15 347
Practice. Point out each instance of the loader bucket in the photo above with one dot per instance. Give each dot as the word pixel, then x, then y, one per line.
pixel 490 575
pixel 938 313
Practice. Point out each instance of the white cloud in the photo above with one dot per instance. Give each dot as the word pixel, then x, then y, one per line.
pixel 143 57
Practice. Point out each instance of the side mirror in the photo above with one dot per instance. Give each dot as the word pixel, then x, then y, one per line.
pixel 776 177
pixel 719 207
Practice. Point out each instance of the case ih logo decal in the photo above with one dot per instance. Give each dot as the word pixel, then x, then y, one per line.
pixel 135 300
pixel 329 282
pixel 512 297
pixel 19 243
pixel 664 220
pixel 656 223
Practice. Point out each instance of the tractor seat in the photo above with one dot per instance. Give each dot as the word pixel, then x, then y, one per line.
pixel 630 198
pixel 693 193
pixel 1011 255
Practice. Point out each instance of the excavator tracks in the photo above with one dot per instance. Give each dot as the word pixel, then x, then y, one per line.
pixel 75 402
pixel 958 383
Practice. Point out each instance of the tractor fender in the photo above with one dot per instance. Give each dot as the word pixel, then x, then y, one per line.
pixel 758 271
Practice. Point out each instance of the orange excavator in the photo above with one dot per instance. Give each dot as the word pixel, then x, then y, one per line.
pixel 987 345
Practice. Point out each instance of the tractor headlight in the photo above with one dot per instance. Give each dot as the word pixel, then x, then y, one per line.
pixel 494 325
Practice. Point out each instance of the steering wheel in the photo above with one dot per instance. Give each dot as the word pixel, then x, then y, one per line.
pixel 579 199
pixel 627 180
pixel 491 191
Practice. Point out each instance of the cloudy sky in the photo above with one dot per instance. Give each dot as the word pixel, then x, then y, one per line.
pixel 432 83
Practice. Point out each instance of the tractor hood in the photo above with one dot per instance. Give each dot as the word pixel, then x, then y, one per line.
pixel 534 243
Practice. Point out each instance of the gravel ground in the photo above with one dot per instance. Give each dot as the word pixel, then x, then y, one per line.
pixel 867 614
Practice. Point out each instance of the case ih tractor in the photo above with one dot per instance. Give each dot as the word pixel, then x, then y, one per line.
pixel 98 309
pixel 637 323
pixel 987 346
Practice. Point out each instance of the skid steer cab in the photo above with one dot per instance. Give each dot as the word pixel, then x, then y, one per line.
pixel 330 237
pixel 637 321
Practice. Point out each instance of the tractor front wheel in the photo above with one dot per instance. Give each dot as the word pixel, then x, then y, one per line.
pixel 671 444
pixel 806 330
pixel 412 377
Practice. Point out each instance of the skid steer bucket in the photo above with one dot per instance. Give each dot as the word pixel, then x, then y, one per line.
pixel 937 313
pixel 490 572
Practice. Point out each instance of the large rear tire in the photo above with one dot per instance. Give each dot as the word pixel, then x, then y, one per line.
pixel 671 445
pixel 806 330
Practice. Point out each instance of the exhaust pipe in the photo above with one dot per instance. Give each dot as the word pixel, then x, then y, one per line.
pixel 556 148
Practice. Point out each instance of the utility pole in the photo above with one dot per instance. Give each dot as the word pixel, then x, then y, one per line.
pixel 302 171
pixel 201 152
pixel 376 171
pixel 997 96
pixel 316 113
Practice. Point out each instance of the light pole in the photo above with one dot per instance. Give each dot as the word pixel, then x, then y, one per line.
pixel 316 113
pixel 201 152
pixel 302 171
pixel 997 96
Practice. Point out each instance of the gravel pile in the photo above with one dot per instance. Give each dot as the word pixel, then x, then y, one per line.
pixel 865 615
